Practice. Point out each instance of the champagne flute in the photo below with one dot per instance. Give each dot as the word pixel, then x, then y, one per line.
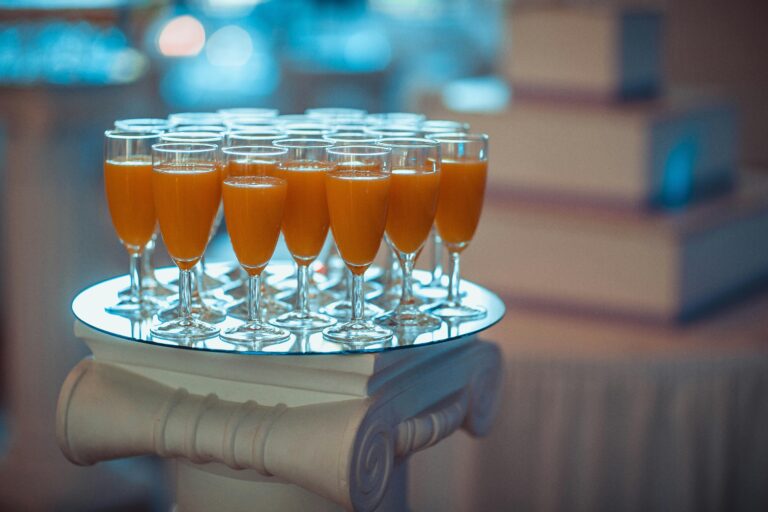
pixel 342 308
pixel 434 288
pixel 464 171
pixel 358 198
pixel 150 285
pixel 414 187
pixel 255 161
pixel 205 284
pixel 187 188
pixel 305 222
pixel 128 186
pixel 253 208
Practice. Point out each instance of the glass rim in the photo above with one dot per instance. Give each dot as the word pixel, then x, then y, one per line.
pixel 210 128
pixel 320 132
pixel 255 137
pixel 237 125
pixel 255 112
pixel 194 115
pixel 352 137
pixel 393 132
pixel 116 133
pixel 458 137
pixel 192 137
pixel 359 150
pixel 396 115
pixel 408 142
pixel 335 111
pixel 249 150
pixel 443 122
pixel 298 143
pixel 176 147
pixel 158 121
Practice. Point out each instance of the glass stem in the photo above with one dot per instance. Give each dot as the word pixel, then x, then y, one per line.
pixel 254 298
pixel 437 257
pixel 348 279
pixel 406 263
pixel 199 279
pixel 454 296
pixel 302 294
pixel 135 273
pixel 357 298
pixel 185 296
pixel 147 269
pixel 394 264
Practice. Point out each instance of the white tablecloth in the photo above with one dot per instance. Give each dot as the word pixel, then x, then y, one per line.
pixel 604 415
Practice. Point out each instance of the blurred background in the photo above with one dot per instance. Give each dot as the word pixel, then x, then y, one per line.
pixel 625 226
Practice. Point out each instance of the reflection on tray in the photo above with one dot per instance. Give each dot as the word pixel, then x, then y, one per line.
pixel 89 304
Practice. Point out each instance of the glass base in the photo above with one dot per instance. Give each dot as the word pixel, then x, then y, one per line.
pixel 431 291
pixel 255 333
pixel 127 308
pixel 342 310
pixel 456 311
pixel 200 312
pixel 182 329
pixel 409 316
pixel 269 309
pixel 357 333
pixel 296 320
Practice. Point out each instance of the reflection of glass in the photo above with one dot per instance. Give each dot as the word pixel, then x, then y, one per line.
pixel 253 207
pixel 462 189
pixel 414 185
pixel 305 221
pixel 358 198
pixel 255 161
pixel 128 186
pixel 187 190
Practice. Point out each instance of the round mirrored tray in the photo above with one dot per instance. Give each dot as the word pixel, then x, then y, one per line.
pixel 89 308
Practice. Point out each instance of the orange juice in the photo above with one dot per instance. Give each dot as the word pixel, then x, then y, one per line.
pixel 128 185
pixel 412 206
pixel 460 202
pixel 358 203
pixel 253 207
pixel 250 167
pixel 186 202
pixel 305 220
